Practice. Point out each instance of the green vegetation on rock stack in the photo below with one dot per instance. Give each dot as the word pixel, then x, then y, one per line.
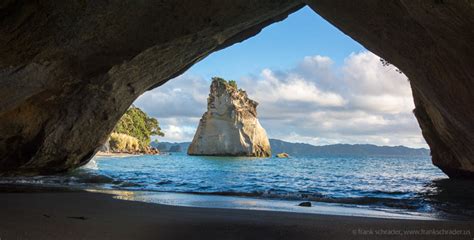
pixel 139 125
pixel 231 83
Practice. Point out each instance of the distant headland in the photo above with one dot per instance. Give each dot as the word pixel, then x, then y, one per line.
pixel 132 134
pixel 304 149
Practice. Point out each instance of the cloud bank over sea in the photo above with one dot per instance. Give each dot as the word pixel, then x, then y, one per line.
pixel 315 102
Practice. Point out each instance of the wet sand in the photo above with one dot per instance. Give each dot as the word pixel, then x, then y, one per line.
pixel 45 214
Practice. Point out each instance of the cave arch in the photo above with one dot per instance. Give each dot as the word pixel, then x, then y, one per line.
pixel 70 70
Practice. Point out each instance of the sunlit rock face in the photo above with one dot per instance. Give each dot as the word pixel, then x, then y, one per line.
pixel 230 126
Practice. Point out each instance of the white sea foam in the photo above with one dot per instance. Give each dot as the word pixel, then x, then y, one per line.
pixel 92 164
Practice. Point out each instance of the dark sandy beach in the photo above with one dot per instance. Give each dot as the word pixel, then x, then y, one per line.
pixel 87 215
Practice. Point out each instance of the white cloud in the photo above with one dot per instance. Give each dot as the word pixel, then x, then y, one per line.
pixel 384 103
pixel 176 133
pixel 178 129
pixel 178 106
pixel 364 73
pixel 184 96
pixel 315 102
pixel 374 86
pixel 271 88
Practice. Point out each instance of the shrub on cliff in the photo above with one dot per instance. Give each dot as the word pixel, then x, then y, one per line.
pixel 139 125
pixel 231 83
pixel 120 142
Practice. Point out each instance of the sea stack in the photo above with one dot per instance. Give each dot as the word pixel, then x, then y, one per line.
pixel 230 126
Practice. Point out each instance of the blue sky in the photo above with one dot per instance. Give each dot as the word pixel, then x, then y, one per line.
pixel 279 46
pixel 313 83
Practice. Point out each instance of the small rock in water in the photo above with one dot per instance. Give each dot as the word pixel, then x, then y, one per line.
pixel 283 155
pixel 305 204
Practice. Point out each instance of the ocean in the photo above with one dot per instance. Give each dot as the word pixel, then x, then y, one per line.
pixel 399 187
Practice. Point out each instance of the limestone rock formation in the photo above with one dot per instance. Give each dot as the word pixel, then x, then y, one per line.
pixel 230 126
pixel 70 69
pixel 282 155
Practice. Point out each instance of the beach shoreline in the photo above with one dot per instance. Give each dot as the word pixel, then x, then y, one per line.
pixel 76 214
pixel 208 200
pixel 115 154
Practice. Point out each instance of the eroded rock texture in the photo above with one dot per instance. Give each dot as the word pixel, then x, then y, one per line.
pixel 70 69
pixel 431 41
pixel 230 126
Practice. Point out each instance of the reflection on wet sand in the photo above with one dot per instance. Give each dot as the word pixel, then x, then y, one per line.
pixel 452 196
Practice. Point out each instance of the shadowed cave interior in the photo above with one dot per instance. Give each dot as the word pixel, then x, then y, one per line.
pixel 69 71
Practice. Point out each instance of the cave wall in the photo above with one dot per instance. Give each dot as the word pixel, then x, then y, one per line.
pixel 432 43
pixel 70 69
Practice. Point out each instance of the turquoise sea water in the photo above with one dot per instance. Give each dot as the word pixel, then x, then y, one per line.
pixel 407 185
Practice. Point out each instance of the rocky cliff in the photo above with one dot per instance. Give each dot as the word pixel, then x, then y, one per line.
pixel 230 126
pixel 431 42
pixel 70 69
